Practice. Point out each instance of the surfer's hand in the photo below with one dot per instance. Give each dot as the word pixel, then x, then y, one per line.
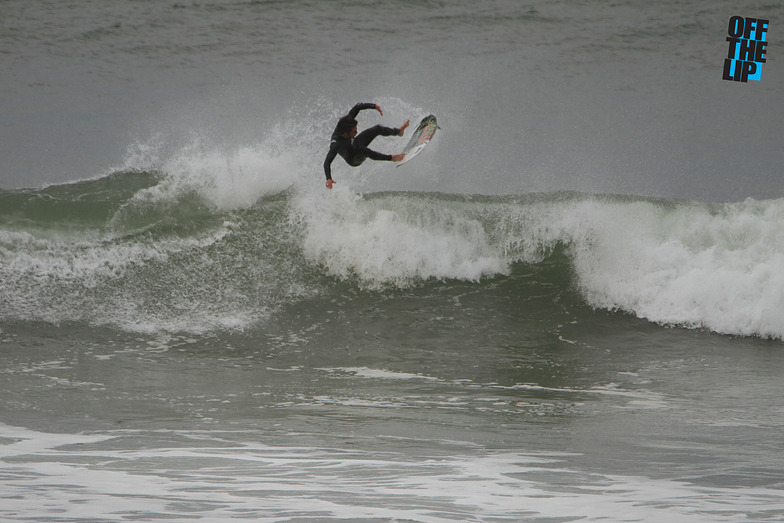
pixel 379 110
pixel 398 157
pixel 330 181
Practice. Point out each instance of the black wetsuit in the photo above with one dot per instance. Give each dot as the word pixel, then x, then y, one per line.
pixel 356 151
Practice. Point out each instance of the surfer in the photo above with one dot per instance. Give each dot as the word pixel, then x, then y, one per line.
pixel 354 148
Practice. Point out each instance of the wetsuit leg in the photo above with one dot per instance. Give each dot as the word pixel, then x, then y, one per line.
pixel 362 152
pixel 364 138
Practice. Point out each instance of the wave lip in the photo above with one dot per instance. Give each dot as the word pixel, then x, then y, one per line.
pixel 718 267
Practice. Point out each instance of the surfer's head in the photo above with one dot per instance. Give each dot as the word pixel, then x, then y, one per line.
pixel 346 125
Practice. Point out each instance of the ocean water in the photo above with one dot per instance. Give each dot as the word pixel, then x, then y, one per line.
pixel 569 307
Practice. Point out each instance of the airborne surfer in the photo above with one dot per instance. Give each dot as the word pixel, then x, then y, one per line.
pixel 354 148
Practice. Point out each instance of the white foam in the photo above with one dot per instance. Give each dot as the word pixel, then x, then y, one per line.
pixel 57 476
pixel 719 268
pixel 41 274
pixel 395 240
pixel 65 260
pixel 229 180
pixel 638 398
pixel 365 372
pixel 231 176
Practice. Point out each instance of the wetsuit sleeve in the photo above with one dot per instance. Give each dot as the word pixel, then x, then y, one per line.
pixel 333 151
pixel 360 107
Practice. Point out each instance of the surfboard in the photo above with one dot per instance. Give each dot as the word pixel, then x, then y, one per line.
pixel 421 137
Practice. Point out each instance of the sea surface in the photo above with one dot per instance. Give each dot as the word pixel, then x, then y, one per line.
pixel 568 307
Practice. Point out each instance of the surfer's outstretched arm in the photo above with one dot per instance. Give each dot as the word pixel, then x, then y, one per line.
pixel 333 151
pixel 362 106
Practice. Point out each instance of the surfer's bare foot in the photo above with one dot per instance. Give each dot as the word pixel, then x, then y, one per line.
pixel 398 157
pixel 402 128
